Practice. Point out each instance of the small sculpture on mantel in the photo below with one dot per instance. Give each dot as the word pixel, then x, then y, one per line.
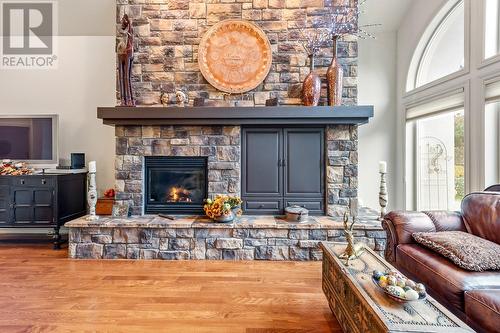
pixel 181 99
pixel 164 99
pixel 125 51
pixel 352 251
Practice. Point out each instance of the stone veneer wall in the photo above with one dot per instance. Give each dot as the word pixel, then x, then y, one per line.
pixel 221 144
pixel 168 33
pixel 238 241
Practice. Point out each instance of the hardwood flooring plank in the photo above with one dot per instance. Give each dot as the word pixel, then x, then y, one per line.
pixel 43 291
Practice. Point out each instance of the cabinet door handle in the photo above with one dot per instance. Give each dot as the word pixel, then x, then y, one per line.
pixel 22 181
pixel 44 181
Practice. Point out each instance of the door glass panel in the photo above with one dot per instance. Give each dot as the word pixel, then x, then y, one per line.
pixel 491 29
pixel 440 161
pixel 492 144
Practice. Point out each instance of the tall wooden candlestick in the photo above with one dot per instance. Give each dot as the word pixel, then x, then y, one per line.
pixel 382 196
pixel 92 192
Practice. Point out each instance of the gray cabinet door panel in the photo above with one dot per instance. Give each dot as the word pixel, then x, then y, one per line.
pixel 4 204
pixel 304 162
pixel 262 151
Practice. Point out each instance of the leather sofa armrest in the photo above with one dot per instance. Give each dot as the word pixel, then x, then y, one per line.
pixel 446 221
pixel 400 225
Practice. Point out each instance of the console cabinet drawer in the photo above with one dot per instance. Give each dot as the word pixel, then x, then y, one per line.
pixel 255 206
pixel 314 206
pixel 33 181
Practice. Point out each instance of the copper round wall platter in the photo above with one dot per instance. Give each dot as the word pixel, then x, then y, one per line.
pixel 235 56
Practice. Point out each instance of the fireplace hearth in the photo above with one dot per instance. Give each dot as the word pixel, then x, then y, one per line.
pixel 175 185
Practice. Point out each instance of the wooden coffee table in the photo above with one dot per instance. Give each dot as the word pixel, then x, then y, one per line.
pixel 362 307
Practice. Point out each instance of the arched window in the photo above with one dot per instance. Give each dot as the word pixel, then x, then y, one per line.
pixel 435 125
pixel 440 51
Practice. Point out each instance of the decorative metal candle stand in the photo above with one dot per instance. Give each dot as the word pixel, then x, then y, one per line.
pixel 382 195
pixel 92 196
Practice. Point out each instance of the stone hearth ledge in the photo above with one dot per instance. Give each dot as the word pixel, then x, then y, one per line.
pixel 196 237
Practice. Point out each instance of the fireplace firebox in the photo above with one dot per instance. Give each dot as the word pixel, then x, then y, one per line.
pixel 175 185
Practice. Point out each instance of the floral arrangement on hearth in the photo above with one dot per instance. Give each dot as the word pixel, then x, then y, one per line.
pixel 223 208
pixel 10 168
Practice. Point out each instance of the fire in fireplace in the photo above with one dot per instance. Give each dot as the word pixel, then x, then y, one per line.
pixel 176 185
pixel 179 194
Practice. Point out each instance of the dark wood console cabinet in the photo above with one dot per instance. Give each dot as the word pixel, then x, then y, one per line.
pixel 45 200
pixel 283 166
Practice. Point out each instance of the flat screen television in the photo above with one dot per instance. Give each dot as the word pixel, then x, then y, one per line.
pixel 32 139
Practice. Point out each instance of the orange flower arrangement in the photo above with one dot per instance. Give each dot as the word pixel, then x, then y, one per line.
pixel 222 205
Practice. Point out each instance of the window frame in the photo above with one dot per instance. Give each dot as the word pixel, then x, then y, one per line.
pixel 412 199
pixel 483 60
pixel 425 40
pixel 480 72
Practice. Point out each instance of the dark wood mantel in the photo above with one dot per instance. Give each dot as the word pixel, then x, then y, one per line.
pixel 276 115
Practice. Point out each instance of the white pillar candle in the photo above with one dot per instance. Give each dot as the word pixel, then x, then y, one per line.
pixel 382 167
pixel 92 166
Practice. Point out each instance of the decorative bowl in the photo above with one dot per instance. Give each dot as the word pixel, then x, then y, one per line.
pixel 225 218
pixel 396 298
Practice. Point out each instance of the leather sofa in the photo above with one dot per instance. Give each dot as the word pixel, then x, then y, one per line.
pixel 472 296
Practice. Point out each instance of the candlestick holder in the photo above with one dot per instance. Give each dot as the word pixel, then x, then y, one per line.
pixel 382 195
pixel 92 197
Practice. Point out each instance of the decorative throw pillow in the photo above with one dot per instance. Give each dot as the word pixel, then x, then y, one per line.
pixel 465 250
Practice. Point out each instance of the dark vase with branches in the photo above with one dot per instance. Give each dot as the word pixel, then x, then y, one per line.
pixel 311 88
pixel 334 78
pixel 313 40
pixel 343 21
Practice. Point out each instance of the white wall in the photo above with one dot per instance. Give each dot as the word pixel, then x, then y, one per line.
pixel 83 80
pixel 377 140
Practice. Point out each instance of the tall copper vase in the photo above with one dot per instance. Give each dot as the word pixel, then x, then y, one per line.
pixel 334 77
pixel 311 88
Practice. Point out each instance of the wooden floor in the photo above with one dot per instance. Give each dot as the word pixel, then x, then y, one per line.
pixel 43 291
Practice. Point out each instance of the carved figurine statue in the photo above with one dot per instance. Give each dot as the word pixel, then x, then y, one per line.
pixel 164 99
pixel 125 51
pixel 181 98
pixel 352 251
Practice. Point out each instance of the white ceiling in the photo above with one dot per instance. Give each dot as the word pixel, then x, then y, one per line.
pixel 388 13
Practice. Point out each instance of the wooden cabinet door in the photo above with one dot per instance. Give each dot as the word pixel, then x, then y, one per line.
pixel 33 206
pixel 304 162
pixel 22 201
pixel 262 175
pixel 4 205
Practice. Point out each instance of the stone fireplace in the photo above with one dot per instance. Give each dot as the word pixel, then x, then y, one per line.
pixel 168 158
pixel 136 146
pixel 212 137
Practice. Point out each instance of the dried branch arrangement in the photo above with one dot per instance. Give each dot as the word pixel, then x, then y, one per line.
pixel 344 21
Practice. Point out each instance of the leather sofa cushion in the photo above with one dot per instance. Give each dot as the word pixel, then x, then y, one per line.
pixel 446 220
pixel 483 307
pixel 481 213
pixel 465 250
pixel 442 277
pixel 406 223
